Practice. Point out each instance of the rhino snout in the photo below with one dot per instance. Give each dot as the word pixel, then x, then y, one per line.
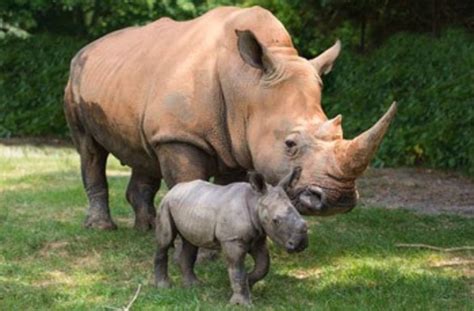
pixel 313 198
pixel 299 239
pixel 297 244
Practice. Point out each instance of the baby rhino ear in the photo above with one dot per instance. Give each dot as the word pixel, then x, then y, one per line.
pixel 257 181
pixel 289 181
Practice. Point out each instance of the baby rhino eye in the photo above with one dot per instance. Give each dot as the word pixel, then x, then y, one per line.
pixel 276 221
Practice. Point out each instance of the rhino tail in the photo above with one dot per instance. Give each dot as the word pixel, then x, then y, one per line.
pixel 165 227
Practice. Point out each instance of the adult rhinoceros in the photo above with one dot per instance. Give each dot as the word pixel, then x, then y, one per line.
pixel 214 96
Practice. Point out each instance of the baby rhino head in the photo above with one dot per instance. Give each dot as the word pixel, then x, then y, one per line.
pixel 279 218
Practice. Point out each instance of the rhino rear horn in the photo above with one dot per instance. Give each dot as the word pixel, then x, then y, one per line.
pixel 360 150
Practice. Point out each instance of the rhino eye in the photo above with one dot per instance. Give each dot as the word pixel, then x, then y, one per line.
pixel 276 221
pixel 291 147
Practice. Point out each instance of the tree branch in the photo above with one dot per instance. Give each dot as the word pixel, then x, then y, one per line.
pixel 439 249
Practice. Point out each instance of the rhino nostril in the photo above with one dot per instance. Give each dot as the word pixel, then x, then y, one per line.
pixel 312 198
pixel 290 245
pixel 316 192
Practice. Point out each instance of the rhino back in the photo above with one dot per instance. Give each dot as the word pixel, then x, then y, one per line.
pixel 205 213
pixel 142 86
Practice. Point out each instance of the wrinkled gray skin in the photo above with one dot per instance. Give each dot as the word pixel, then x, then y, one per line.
pixel 237 218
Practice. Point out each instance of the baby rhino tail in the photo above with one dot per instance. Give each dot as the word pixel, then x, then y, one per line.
pixel 165 226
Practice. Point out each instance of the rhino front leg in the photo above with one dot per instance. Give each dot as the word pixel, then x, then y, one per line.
pixel 165 234
pixel 230 177
pixel 180 162
pixel 93 161
pixel 141 193
pixel 259 253
pixel 186 263
pixel 234 253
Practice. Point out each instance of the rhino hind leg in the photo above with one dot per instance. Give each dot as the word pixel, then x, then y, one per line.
pixel 93 162
pixel 141 192
pixel 165 234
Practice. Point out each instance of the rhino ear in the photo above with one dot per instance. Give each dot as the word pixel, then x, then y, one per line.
pixel 289 181
pixel 252 51
pixel 257 181
pixel 323 63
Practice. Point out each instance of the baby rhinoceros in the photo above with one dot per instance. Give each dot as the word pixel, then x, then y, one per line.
pixel 237 218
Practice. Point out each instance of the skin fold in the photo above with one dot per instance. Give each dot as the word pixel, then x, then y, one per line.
pixel 235 218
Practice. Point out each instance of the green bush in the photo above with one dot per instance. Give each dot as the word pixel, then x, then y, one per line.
pixel 432 79
pixel 33 75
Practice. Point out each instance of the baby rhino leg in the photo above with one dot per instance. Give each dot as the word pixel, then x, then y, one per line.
pixel 260 255
pixel 186 263
pixel 234 253
pixel 165 235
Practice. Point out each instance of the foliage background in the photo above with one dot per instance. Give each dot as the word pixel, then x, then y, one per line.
pixel 420 53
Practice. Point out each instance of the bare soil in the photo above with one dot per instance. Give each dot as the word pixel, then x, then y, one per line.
pixel 421 190
pixel 418 189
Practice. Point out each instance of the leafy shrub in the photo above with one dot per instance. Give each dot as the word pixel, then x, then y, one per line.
pixel 433 81
pixel 32 79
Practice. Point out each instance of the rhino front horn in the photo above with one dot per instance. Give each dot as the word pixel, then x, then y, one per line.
pixel 360 150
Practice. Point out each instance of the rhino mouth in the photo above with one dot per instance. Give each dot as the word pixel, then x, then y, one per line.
pixel 314 200
pixel 297 245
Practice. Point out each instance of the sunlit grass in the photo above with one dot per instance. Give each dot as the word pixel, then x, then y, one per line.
pixel 48 261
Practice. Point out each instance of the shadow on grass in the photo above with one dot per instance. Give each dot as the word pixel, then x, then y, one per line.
pixel 373 288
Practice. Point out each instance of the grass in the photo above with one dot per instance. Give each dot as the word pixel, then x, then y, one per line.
pixel 48 261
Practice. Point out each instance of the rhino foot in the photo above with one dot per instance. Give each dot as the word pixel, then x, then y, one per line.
pixel 145 223
pixel 190 282
pixel 163 284
pixel 239 299
pixel 101 223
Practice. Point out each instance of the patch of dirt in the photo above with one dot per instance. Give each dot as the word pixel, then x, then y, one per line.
pixel 302 274
pixel 57 247
pixel 54 278
pixel 421 190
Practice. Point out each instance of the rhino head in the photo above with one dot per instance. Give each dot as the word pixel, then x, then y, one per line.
pixel 278 217
pixel 287 127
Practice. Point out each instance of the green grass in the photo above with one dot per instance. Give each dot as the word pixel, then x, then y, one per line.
pixel 48 261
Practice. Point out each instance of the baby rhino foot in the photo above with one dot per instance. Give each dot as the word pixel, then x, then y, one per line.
pixel 238 299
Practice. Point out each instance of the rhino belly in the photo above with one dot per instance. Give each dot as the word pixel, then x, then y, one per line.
pixel 120 136
pixel 196 225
